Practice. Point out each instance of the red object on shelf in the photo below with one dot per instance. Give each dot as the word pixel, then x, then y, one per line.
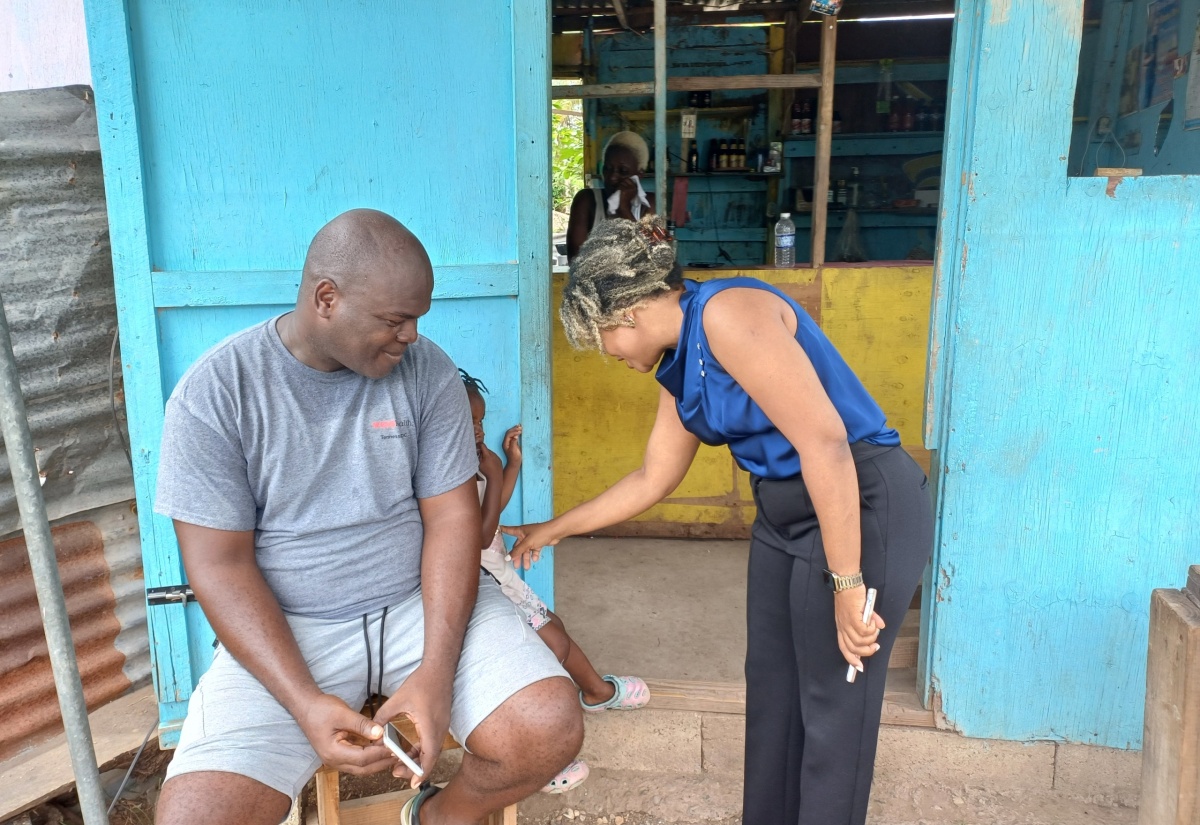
pixel 679 210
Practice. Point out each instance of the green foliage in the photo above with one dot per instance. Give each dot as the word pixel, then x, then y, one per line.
pixel 566 158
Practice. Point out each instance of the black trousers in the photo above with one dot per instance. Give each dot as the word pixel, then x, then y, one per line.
pixel 811 735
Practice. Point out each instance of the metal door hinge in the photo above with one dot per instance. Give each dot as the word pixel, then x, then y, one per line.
pixel 171 594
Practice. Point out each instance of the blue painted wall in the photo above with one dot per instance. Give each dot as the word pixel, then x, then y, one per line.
pixel 230 134
pixel 1064 372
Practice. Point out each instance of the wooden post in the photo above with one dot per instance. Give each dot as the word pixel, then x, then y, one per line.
pixel 661 197
pixel 1171 744
pixel 820 220
pixel 328 797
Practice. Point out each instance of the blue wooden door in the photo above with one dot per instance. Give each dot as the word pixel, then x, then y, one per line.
pixel 232 131
pixel 1063 383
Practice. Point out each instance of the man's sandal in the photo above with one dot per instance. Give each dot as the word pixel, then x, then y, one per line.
pixel 410 812
pixel 631 693
pixel 571 776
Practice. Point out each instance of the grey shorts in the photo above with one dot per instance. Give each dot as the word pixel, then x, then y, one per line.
pixel 235 725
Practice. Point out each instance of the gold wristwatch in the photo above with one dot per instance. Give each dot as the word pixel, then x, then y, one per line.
pixel 838 583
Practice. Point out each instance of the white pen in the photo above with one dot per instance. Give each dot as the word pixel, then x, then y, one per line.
pixel 868 609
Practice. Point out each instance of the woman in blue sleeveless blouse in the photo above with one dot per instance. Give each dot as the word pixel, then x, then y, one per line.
pixel 841 507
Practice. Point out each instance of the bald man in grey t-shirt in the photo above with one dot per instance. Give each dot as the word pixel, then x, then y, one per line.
pixel 320 471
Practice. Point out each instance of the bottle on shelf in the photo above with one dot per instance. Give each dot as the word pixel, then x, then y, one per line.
pixel 910 106
pixel 937 117
pixel 894 115
pixel 840 197
pixel 883 96
pixel 714 154
pixel 797 116
pixel 837 121
pixel 723 156
pixel 693 161
pixel 785 241
pixel 921 121
pixel 806 116
pixel 741 153
pixel 854 188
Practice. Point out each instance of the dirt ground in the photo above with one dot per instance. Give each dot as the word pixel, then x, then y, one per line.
pixel 631 798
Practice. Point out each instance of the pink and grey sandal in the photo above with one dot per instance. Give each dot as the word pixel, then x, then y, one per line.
pixel 631 693
pixel 571 776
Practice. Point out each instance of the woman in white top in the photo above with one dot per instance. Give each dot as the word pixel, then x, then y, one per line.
pixel 626 157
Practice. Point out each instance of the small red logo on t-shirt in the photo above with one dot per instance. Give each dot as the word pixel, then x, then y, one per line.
pixel 390 424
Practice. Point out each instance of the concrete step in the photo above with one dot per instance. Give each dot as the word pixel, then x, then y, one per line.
pixel 904 652
pixel 667 766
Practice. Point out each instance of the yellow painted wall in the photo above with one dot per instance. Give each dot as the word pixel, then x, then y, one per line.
pixel 877 317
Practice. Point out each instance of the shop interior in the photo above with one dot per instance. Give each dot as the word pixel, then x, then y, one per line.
pixel 756 152
pixel 838 122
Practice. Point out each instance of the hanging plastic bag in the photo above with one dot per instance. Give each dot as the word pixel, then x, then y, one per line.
pixel 849 244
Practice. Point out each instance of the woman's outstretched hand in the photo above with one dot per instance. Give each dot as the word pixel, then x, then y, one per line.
pixel 856 639
pixel 531 538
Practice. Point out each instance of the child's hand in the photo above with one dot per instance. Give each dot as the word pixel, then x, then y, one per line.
pixel 512 445
pixel 489 463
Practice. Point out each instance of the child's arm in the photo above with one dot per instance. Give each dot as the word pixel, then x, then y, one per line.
pixel 494 474
pixel 512 451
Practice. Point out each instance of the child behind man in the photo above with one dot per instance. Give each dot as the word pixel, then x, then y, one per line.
pixel 496 485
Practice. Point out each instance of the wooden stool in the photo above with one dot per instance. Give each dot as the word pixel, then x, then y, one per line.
pixel 382 809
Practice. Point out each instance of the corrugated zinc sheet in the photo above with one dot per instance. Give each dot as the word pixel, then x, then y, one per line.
pixel 56 281
pixel 99 559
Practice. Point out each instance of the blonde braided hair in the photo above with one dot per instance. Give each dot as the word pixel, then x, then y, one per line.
pixel 622 264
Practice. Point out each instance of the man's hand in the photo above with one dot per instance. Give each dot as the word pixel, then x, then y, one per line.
pixel 512 446
pixel 425 699
pixel 345 740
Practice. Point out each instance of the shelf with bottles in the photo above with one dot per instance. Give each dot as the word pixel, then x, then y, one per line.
pixel 887 104
pixel 749 174
pixel 726 112
pixel 869 143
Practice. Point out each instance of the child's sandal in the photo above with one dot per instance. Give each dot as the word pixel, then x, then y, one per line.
pixel 630 693
pixel 571 776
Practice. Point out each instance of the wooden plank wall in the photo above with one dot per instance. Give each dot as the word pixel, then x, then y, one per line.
pixel 1065 381
pixel 230 135
pixel 878 317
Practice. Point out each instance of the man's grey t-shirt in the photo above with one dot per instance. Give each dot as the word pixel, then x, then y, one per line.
pixel 325 467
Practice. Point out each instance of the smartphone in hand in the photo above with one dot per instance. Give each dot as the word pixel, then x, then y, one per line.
pixel 402 748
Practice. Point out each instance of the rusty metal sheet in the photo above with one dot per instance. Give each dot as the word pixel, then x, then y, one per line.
pixel 57 285
pixel 100 564
pixel 56 281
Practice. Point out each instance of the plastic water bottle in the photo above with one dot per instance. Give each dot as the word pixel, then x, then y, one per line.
pixel 785 241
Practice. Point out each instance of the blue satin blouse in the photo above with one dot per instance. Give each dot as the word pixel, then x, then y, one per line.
pixel 717 410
